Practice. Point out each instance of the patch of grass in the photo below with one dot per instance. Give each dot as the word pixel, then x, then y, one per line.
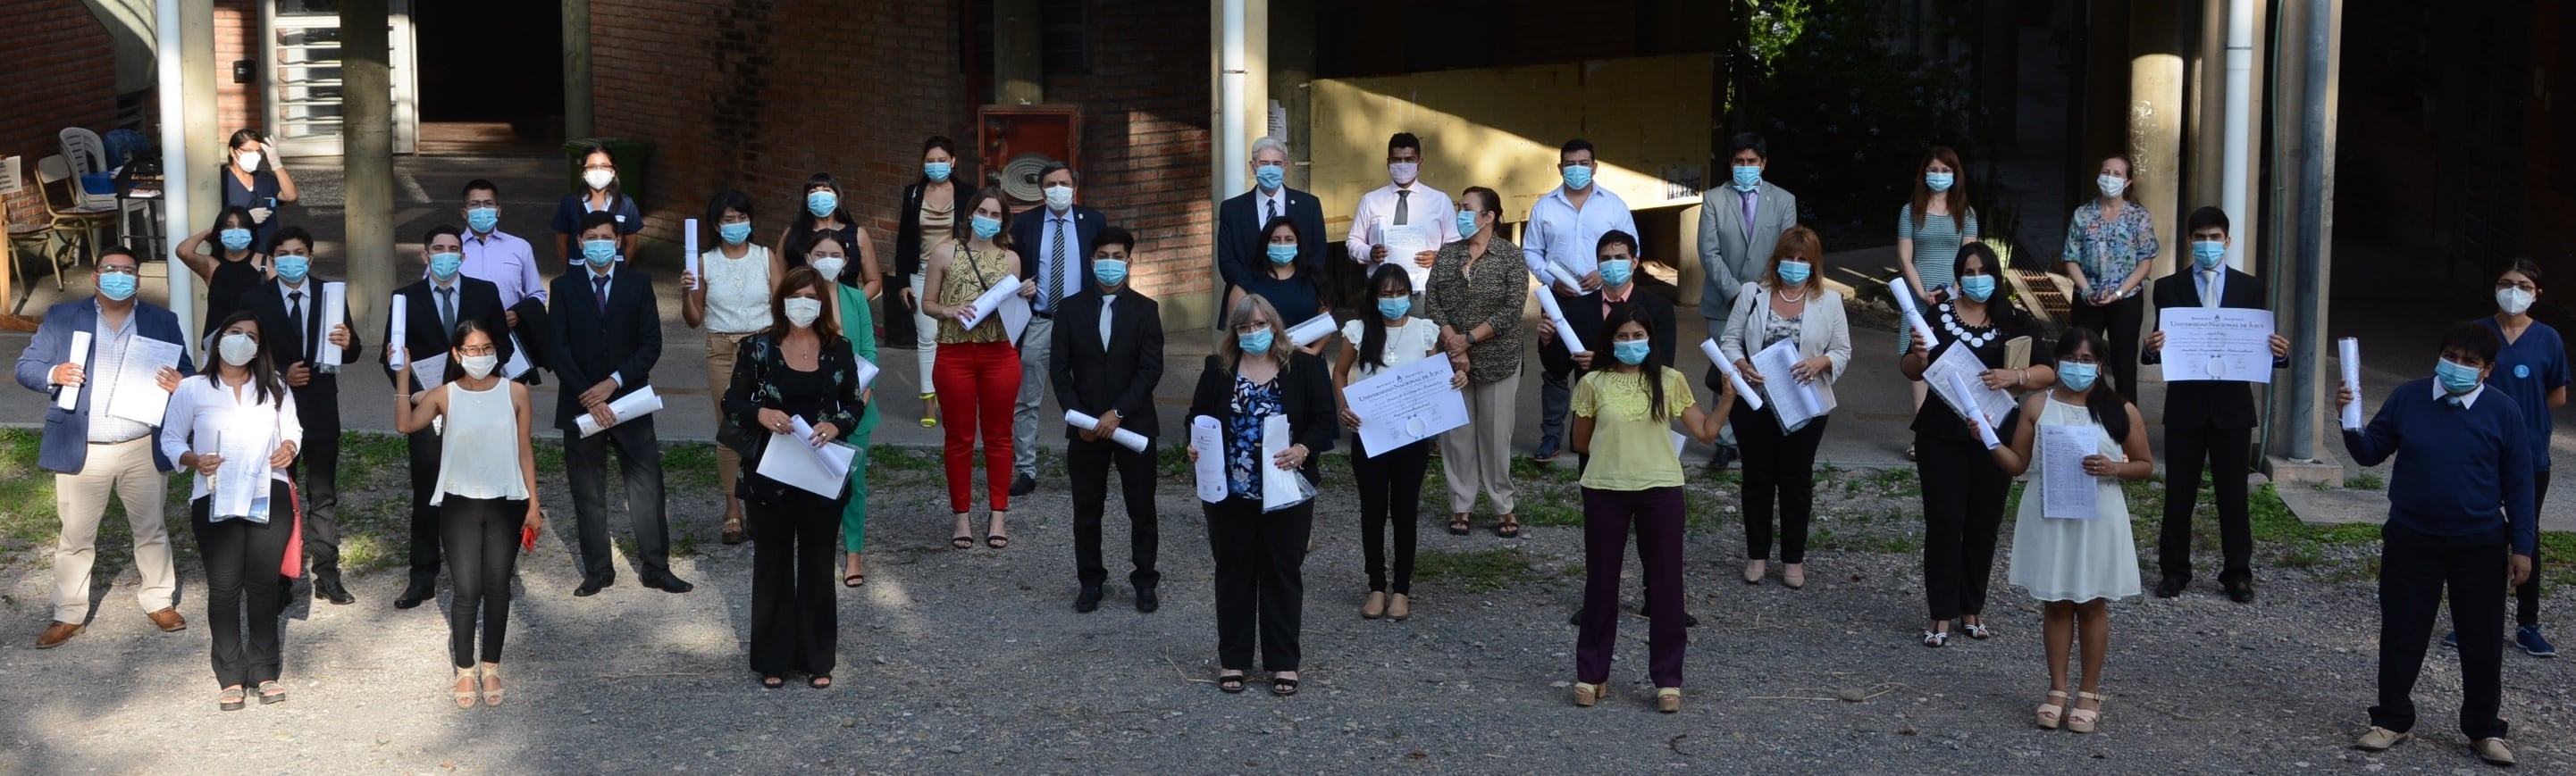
pixel 29 520
pixel 2366 480
pixel 1547 511
pixel 906 459
pixel 1900 483
pixel 1478 571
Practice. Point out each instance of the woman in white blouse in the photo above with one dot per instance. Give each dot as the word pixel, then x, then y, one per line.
pixel 1789 303
pixel 729 297
pixel 486 497
pixel 1390 481
pixel 241 510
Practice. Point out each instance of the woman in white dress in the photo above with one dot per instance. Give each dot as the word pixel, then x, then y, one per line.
pixel 2076 566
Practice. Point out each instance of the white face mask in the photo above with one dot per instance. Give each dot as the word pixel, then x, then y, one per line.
pixel 801 312
pixel 599 179
pixel 831 266
pixel 1403 173
pixel 250 161
pixel 237 349
pixel 479 367
pixel 1059 197
pixel 2111 185
pixel 2513 301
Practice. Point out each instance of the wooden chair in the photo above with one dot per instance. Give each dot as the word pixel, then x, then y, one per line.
pixel 75 221
pixel 31 232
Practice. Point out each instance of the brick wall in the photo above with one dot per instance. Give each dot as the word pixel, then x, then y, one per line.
pixel 63 74
pixel 237 38
pixel 1145 137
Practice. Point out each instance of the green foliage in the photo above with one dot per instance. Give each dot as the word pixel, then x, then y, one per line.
pixel 1846 117
pixel 1478 571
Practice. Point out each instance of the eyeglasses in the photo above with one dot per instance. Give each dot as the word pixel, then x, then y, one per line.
pixel 109 270
pixel 476 350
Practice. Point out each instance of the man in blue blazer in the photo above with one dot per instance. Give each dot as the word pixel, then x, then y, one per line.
pixel 1055 244
pixel 1239 220
pixel 93 454
pixel 609 330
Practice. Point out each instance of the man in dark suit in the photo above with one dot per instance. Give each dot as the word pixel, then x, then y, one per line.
pixel 1105 360
pixel 1055 244
pixel 2207 420
pixel 290 309
pixel 1240 220
pixel 432 308
pixel 609 330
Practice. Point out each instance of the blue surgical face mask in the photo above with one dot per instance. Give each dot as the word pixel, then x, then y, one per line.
pixel 1939 181
pixel 821 203
pixel 1255 343
pixel 1270 176
pixel 1978 287
pixel 1578 176
pixel 1632 352
pixel 1109 272
pixel 235 239
pixel 483 219
pixel 1282 254
pixel 1747 177
pixel 2207 253
pixel 1466 223
pixel 599 252
pixel 2077 377
pixel 444 265
pixel 292 268
pixel 117 286
pixel 937 172
pixel 1794 272
pixel 985 226
pixel 734 233
pixel 1618 272
pixel 1394 308
pixel 2456 378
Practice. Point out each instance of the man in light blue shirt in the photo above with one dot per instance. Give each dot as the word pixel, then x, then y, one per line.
pixel 1564 229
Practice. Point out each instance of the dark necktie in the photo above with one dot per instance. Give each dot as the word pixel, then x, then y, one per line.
pixel 1403 213
pixel 1055 266
pixel 2453 401
pixel 447 312
pixel 1273 207
pixel 599 288
pixel 295 315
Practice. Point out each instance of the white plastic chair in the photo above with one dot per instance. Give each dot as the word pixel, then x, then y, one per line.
pixel 88 156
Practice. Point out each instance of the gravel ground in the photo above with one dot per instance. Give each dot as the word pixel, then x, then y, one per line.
pixel 973 661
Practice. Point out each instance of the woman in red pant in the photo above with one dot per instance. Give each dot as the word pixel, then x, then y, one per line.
pixel 978 377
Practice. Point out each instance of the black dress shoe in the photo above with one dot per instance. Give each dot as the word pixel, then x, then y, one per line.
pixel 2172 585
pixel 1718 460
pixel 1088 600
pixel 413 595
pixel 329 589
pixel 1146 600
pixel 667 583
pixel 590 586
pixel 1648 612
pixel 2240 591
pixel 1022 485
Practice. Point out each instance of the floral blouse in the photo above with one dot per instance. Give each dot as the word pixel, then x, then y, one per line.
pixel 1252 404
pixel 2109 249
pixel 1492 291
pixel 970 273
pixel 762 380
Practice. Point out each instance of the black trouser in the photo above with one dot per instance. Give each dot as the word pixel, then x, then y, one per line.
pixel 2414 568
pixel 795 614
pixel 534 333
pixel 639 461
pixel 1258 578
pixel 1779 466
pixel 1963 506
pixel 243 561
pixel 2118 323
pixel 425 447
pixel 1390 489
pixel 2526 599
pixel 482 537
pixel 2227 451
pixel 1088 464
pixel 317 471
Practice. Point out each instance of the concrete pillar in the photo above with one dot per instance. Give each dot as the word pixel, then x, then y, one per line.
pixel 577 119
pixel 2203 140
pixel 2299 432
pixel 1292 66
pixel 2156 117
pixel 1019 63
pixel 368 155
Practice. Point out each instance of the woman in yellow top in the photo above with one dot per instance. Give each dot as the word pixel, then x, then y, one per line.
pixel 1623 420
pixel 978 377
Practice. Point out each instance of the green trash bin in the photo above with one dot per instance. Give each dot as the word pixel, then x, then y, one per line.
pixel 630 156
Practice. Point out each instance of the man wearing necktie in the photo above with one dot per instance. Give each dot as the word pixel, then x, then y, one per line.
pixel 1055 255
pixel 431 308
pixel 609 330
pixel 1104 363
pixel 1404 202
pixel 1240 220
pixel 1740 224
pixel 2207 421
pixel 289 307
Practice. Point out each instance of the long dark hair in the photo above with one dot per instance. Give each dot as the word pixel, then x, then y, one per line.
pixel 1388 277
pixel 1652 369
pixel 2103 401
pixel 840 201
pixel 1956 198
pixel 800 245
pixel 456 341
pixel 238 215
pixel 266 385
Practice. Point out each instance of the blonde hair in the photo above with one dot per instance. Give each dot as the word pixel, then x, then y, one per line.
pixel 1241 312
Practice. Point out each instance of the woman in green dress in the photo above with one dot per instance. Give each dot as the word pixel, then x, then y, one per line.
pixel 827 255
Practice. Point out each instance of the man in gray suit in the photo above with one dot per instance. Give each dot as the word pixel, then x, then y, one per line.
pixel 1739 225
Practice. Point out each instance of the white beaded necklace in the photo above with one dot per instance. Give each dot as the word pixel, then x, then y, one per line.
pixel 1961 333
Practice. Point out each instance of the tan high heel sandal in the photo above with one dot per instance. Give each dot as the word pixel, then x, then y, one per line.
pixel 2086 720
pixel 1668 699
pixel 2051 714
pixel 1587 695
pixel 465 698
pixel 492 691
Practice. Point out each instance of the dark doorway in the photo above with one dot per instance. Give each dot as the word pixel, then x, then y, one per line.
pixel 491 75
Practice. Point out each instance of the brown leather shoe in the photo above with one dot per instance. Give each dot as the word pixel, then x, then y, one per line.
pixel 168 619
pixel 56 634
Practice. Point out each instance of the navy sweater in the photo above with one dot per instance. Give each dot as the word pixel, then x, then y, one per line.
pixel 2464 470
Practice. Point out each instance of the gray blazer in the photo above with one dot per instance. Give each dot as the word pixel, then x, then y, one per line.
pixel 1822 331
pixel 1731 252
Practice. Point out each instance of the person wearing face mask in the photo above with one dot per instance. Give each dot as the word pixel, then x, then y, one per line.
pixel 929 217
pixel 729 298
pixel 1105 361
pixel 600 192
pixel 1478 286
pixel 238 403
pixel 1618 261
pixel 1259 556
pixel 2531 369
pixel 510 264
pixel 1405 201
pixel 433 307
pixel 237 264
pixel 980 367
pixel 2462 515
pixel 797 368
pixel 1293 288
pixel 1932 226
pixel 2110 248
pixel 1564 228
pixel 1739 228
pixel 848 307
pixel 289 309
pixel 1390 481
pixel 94 454
pixel 255 179
pixel 484 483
pixel 825 210
pixel 2207 421
pixel 2076 567
pixel 1789 303
pixel 1243 221
pixel 1059 239
pixel 1963 487
pixel 609 329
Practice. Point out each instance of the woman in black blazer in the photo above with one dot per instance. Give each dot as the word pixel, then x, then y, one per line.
pixel 1256 373
pixel 938 193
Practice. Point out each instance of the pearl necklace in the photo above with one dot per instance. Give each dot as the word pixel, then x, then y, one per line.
pixel 1800 297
